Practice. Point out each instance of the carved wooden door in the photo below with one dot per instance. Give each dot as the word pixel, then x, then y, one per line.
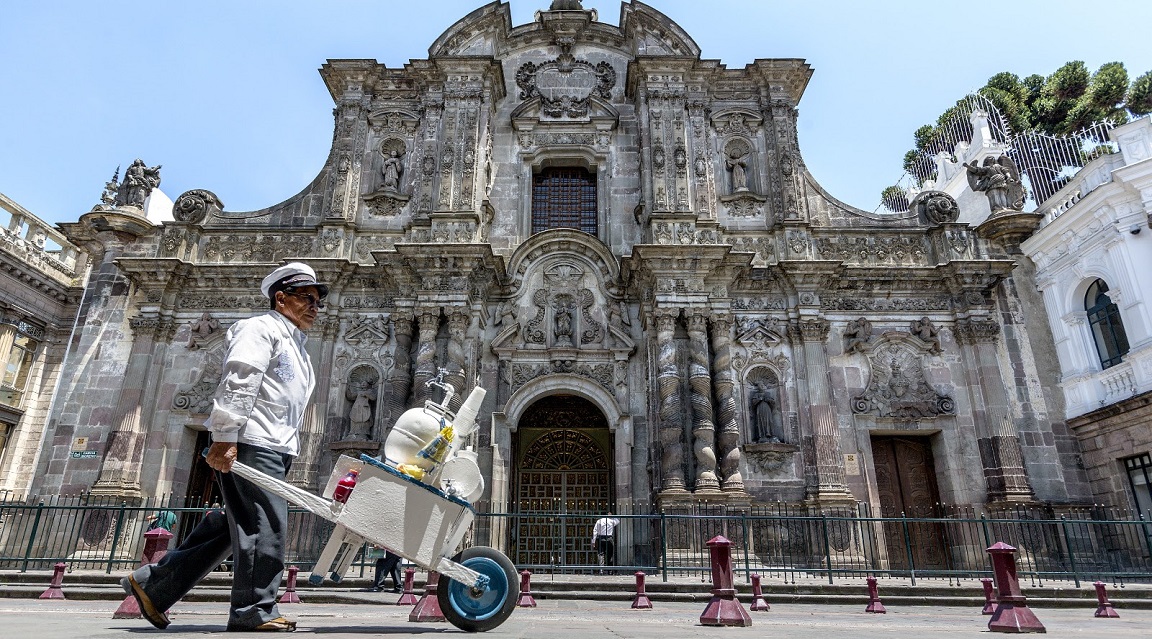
pixel 906 484
pixel 563 483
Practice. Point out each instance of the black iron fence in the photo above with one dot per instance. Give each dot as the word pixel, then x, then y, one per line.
pixel 785 542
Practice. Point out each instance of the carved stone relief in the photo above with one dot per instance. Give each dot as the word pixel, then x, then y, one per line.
pixel 897 387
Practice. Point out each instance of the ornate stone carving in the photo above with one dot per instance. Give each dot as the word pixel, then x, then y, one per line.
pixel 197 399
pixel 362 391
pixel 367 329
pixel 764 410
pixel 927 332
pixel 897 388
pixel 199 331
pixel 971 331
pixel 999 179
pixel 196 205
pixel 385 204
pixel 601 373
pixel 565 85
pixel 591 331
pixel 934 208
pixel 857 334
pixel 534 329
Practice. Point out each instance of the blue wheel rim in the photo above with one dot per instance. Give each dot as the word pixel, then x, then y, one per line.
pixel 489 602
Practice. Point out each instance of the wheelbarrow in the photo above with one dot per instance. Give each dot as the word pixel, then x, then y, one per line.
pixel 415 521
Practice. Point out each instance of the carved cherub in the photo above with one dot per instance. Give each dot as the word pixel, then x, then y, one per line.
pixel 928 333
pixel 858 332
pixel 999 178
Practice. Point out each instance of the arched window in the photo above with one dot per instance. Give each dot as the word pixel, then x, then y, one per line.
pixel 564 197
pixel 1107 327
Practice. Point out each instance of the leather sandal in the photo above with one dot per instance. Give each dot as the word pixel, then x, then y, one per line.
pixel 155 617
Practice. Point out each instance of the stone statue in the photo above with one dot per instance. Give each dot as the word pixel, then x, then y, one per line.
pixel 202 328
pixel 928 333
pixel 360 417
pixel 999 178
pixel 563 325
pixel 763 404
pixel 393 169
pixel 858 332
pixel 139 180
pixel 505 314
pixel 108 197
pixel 566 5
pixel 738 165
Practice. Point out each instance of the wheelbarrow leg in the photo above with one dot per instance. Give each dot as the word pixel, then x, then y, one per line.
pixel 337 555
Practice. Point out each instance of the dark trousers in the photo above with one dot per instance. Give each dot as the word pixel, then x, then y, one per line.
pixel 251 529
pixel 389 564
pixel 606 550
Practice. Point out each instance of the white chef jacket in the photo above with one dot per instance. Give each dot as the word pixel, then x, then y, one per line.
pixel 265 383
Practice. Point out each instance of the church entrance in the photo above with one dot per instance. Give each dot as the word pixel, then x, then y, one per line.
pixel 562 481
pixel 906 484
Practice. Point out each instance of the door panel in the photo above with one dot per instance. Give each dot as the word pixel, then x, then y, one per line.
pixel 906 486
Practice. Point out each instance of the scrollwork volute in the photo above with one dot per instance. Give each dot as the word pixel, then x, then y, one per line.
pixel 196 205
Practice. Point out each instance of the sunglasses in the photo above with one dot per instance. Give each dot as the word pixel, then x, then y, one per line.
pixel 312 300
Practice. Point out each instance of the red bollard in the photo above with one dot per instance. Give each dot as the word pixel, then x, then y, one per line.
pixel 989 600
pixel 155 547
pixel 641 600
pixel 874 604
pixel 758 602
pixel 428 608
pixel 408 597
pixel 1012 613
pixel 526 600
pixel 54 591
pixel 724 609
pixel 1105 608
pixel 290 595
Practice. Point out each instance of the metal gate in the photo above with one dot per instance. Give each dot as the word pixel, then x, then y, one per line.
pixel 563 485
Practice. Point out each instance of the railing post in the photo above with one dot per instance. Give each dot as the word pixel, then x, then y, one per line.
pixel 827 546
pixel 1071 550
pixel 744 532
pixel 116 535
pixel 908 548
pixel 664 547
pixel 32 536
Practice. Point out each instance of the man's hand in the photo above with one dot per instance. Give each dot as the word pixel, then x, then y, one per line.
pixel 221 456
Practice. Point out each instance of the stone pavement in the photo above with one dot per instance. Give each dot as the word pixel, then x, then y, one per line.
pixel 557 619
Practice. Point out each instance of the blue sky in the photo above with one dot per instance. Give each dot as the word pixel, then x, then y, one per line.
pixel 226 95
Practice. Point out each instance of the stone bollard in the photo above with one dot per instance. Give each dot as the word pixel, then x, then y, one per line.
pixel 526 600
pixel 54 591
pixel 1012 613
pixel 155 547
pixel 758 602
pixel 408 597
pixel 724 609
pixel 989 600
pixel 874 604
pixel 1105 608
pixel 428 608
pixel 641 600
pixel 290 595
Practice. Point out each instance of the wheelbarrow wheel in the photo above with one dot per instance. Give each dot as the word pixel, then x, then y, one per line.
pixel 473 611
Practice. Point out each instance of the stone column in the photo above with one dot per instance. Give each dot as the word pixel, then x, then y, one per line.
pixel 995 429
pixel 700 381
pixel 457 326
pixel 400 380
pixel 830 486
pixel 671 418
pixel 120 468
pixel 306 468
pixel 728 439
pixel 429 321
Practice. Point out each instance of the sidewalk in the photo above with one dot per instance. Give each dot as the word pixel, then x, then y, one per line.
pixel 24 618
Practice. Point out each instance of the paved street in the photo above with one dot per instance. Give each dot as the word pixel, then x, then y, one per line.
pixel 22 618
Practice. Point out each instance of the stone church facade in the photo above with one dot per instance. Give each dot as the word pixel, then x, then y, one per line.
pixel 617 238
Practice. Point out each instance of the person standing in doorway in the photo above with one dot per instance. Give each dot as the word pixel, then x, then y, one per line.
pixel 266 382
pixel 604 539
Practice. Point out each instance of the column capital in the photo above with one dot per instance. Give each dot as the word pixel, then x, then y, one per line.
pixel 972 331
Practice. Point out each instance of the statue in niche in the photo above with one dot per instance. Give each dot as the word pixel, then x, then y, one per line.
pixel 563 321
pixel 928 333
pixel 999 179
pixel 139 180
pixel 738 164
pixel 763 403
pixel 392 169
pixel 361 392
pixel 858 333
pixel 202 328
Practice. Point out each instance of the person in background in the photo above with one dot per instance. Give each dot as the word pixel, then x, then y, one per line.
pixel 165 519
pixel 603 539
pixel 388 564
pixel 266 382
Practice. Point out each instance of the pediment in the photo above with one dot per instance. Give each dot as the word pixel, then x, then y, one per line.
pixel 533 113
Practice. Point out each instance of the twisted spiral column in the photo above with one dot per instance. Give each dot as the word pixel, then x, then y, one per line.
pixel 728 439
pixel 671 421
pixel 400 380
pixel 429 322
pixel 700 382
